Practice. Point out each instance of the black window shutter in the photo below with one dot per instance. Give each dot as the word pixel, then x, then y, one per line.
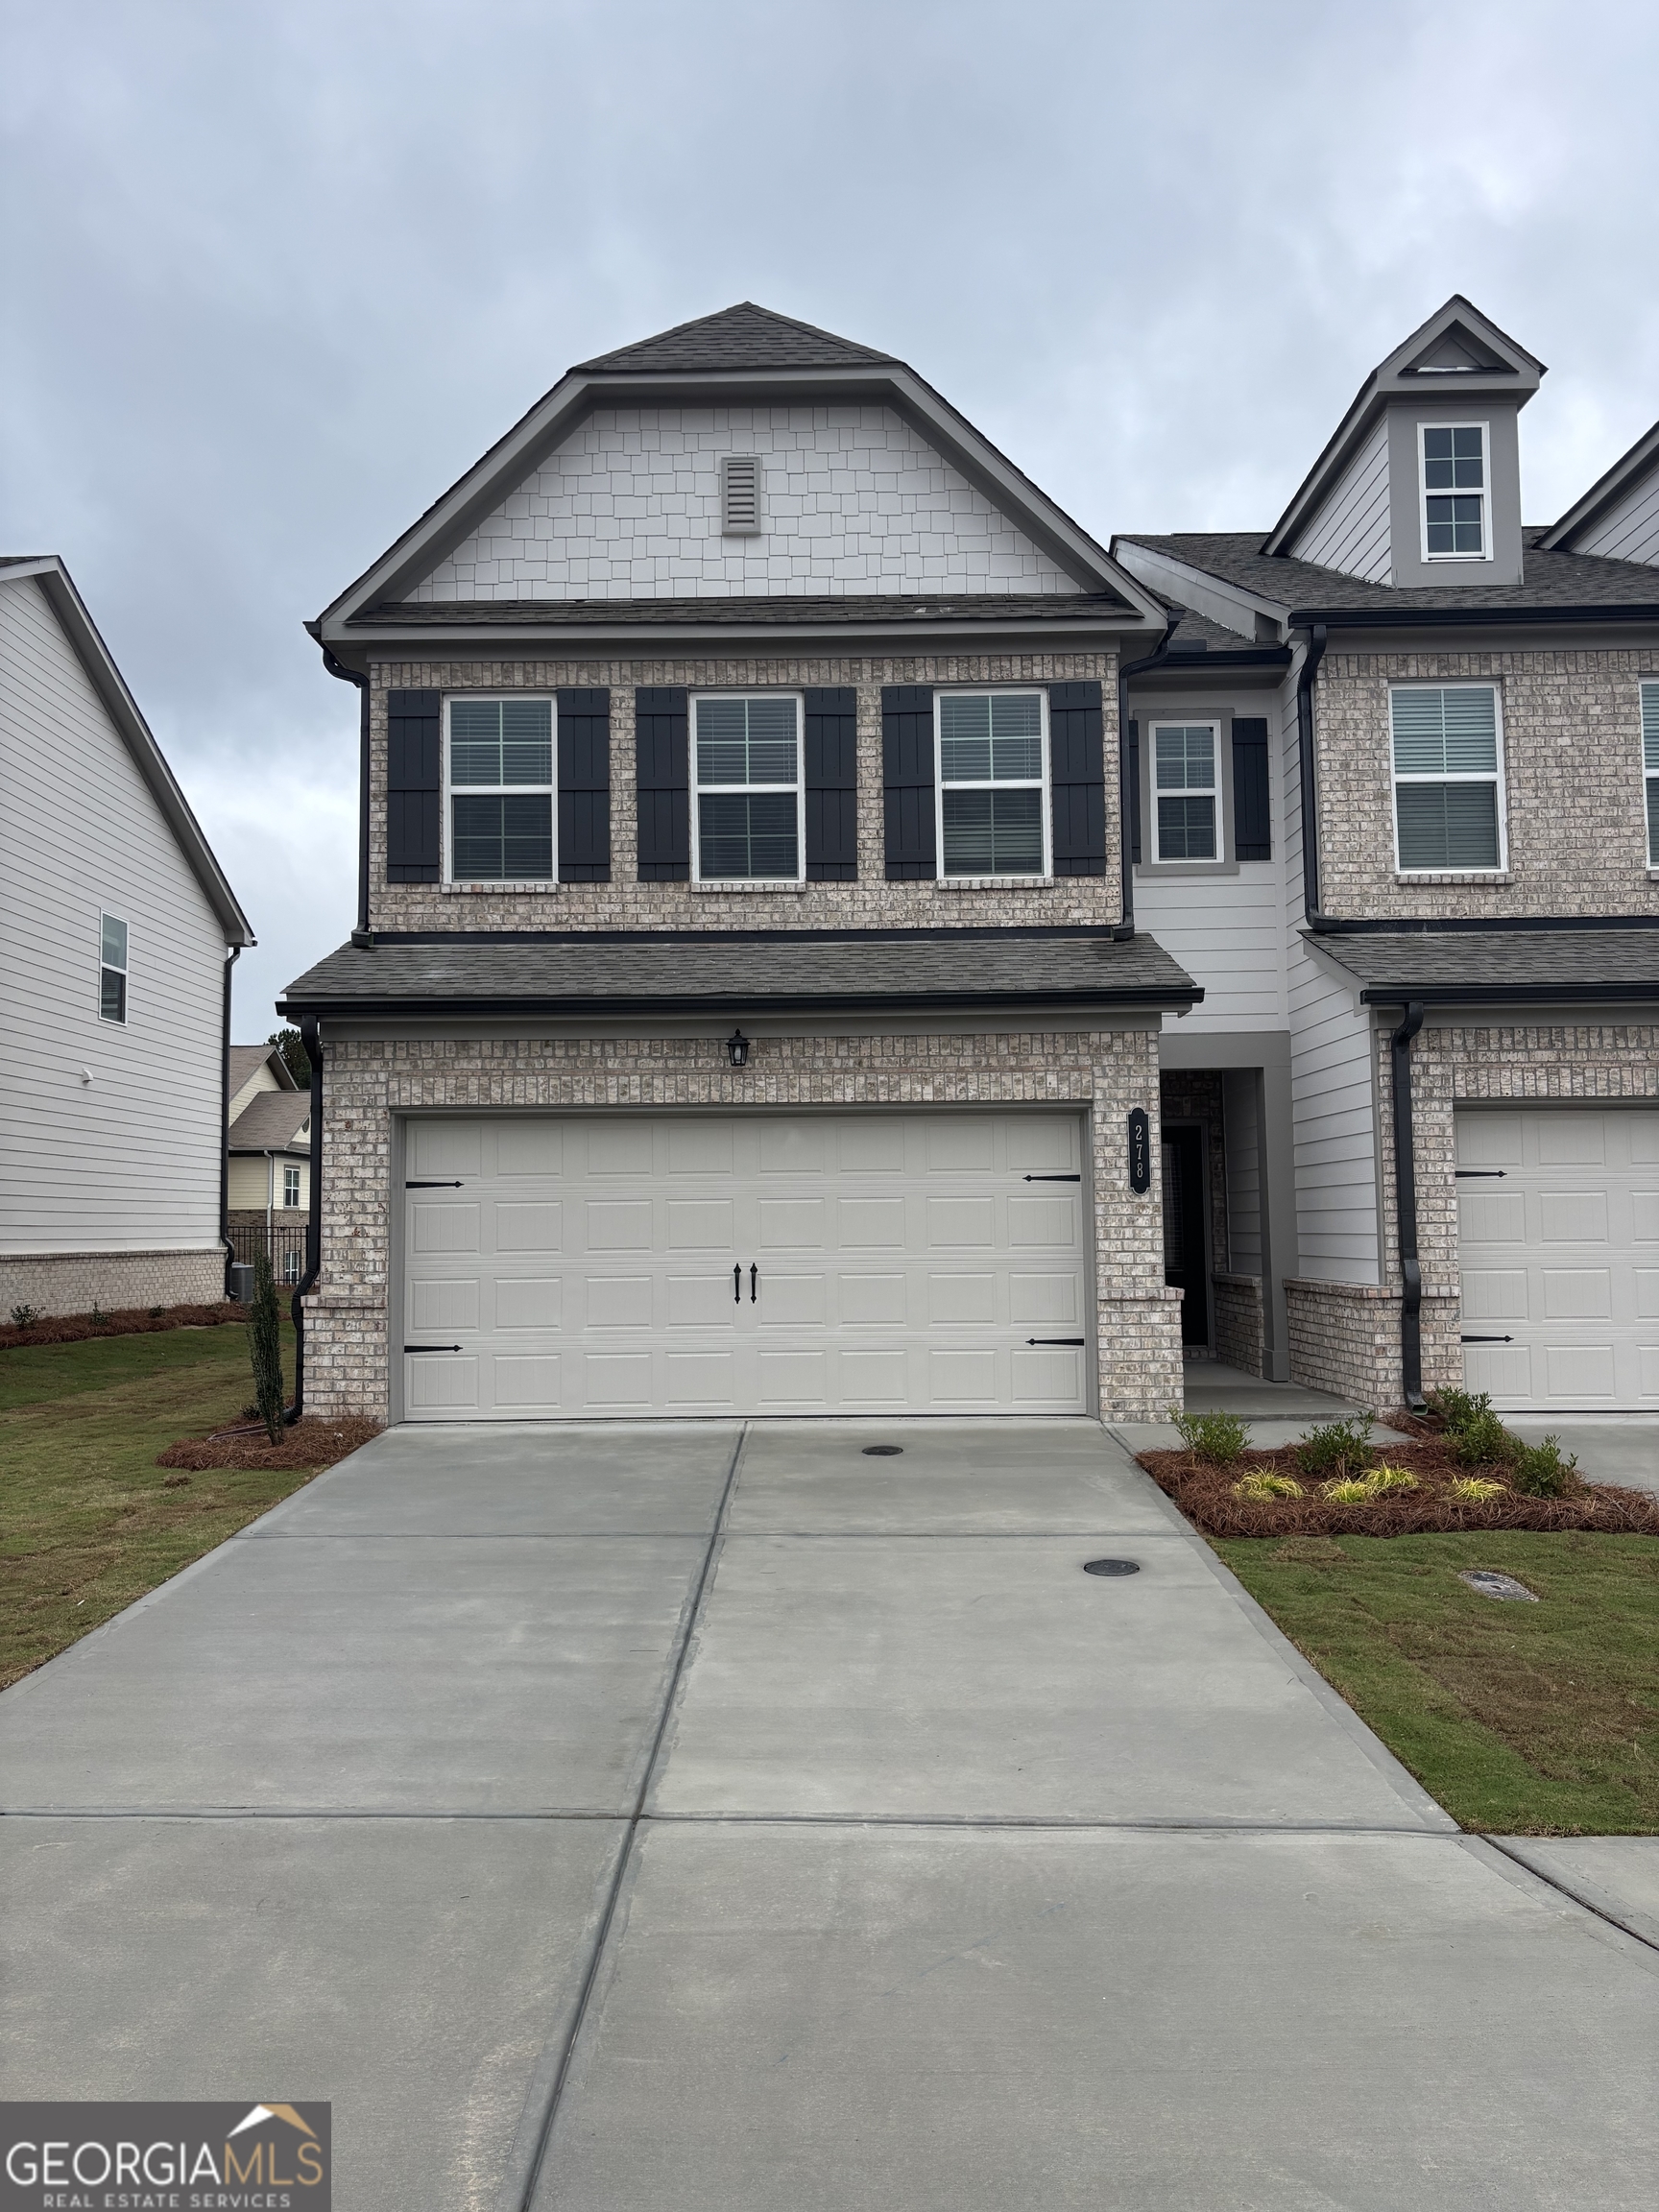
pixel 584 786
pixel 661 724
pixel 831 763
pixel 907 778
pixel 1078 778
pixel 1252 821
pixel 1135 792
pixel 413 779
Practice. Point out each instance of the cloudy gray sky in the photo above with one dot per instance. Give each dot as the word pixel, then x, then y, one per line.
pixel 275 272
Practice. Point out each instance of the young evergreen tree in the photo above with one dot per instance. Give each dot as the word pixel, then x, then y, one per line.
pixel 265 1348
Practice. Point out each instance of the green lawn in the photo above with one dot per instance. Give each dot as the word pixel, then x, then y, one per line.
pixel 86 1524
pixel 1522 1720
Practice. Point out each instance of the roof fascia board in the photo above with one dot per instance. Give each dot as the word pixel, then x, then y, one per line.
pixel 1147 997
pixel 1628 469
pixel 1636 617
pixel 417 641
pixel 504 466
pixel 1163 572
pixel 99 666
pixel 1565 994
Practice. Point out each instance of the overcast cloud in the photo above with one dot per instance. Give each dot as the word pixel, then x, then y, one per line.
pixel 274 274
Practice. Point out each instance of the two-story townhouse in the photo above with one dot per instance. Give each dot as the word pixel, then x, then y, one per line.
pixel 742 1014
pixel 1411 1134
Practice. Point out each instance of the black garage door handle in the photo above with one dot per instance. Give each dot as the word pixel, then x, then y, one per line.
pixel 1057 1341
pixel 431 1348
pixel 1053 1178
pixel 1486 1339
pixel 432 1186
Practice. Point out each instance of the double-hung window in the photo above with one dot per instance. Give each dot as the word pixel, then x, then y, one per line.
pixel 500 758
pixel 1448 809
pixel 748 816
pixel 112 969
pixel 290 1187
pixel 1650 766
pixel 1454 492
pixel 993 782
pixel 1186 771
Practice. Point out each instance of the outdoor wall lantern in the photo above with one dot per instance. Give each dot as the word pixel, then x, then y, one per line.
pixel 737 1048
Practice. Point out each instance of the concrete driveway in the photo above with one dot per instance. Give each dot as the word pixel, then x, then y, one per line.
pixel 686 1820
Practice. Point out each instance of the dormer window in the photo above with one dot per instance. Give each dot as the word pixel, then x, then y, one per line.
pixel 1454 492
pixel 739 495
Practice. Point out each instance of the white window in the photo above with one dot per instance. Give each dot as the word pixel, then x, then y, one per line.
pixel 500 793
pixel 290 1186
pixel 1650 766
pixel 993 784
pixel 748 820
pixel 293 1264
pixel 1447 779
pixel 1454 492
pixel 739 494
pixel 112 969
pixel 1187 790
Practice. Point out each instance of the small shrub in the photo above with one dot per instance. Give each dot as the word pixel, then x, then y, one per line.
pixel 1482 1441
pixel 1456 1408
pixel 26 1317
pixel 1348 1490
pixel 1474 1489
pixel 1539 1470
pixel 98 1317
pixel 1381 1480
pixel 1264 1482
pixel 1216 1439
pixel 156 1311
pixel 265 1348
pixel 1338 1450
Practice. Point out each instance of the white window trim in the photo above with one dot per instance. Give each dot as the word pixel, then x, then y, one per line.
pixel 447 879
pixel 1424 495
pixel 1649 776
pixel 1218 859
pixel 1044 875
pixel 697 789
pixel 1463 776
pixel 124 970
pixel 291 1178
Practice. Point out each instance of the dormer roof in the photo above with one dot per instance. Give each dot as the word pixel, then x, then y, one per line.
pixel 1457 351
pixel 1626 475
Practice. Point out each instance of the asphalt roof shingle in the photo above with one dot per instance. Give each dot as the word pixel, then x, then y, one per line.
pixel 270 1120
pixel 741 337
pixel 1477 966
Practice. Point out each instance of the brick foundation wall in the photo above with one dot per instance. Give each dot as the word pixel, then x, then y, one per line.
pixel 368 1081
pixel 279 1217
pixel 1239 1325
pixel 1345 1338
pixel 75 1281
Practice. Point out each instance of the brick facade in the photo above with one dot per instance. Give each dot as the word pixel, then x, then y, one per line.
pixel 368 1081
pixel 76 1282
pixel 1241 1325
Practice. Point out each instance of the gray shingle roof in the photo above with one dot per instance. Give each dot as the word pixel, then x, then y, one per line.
pixel 1473 967
pixel 741 337
pixel 270 1120
pixel 737 973
pixel 1550 580
pixel 778 609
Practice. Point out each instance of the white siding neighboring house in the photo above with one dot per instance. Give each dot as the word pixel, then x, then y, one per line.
pixel 115 924
pixel 269 1141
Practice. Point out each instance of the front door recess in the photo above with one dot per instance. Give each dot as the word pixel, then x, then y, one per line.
pixel 1185 1237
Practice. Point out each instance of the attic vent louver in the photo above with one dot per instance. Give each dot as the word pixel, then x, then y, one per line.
pixel 739 494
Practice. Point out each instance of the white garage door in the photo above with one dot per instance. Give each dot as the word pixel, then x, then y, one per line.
pixel 764 1263
pixel 1559 1241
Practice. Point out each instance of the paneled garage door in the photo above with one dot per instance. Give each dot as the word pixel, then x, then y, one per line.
pixel 1559 1241
pixel 767 1264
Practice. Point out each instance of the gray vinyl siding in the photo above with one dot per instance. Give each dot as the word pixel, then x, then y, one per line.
pixel 1227 931
pixel 1630 530
pixel 1335 1117
pixel 130 1161
pixel 1350 531
pixel 1242 1131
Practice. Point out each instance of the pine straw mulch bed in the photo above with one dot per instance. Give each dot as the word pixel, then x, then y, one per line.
pixel 125 1321
pixel 312 1442
pixel 1204 1494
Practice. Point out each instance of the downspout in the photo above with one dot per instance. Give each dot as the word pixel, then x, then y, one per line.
pixel 1311 659
pixel 1125 795
pixel 232 955
pixel 1406 1203
pixel 360 935
pixel 312 1043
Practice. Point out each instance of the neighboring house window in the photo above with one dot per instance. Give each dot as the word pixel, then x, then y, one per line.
pixel 1650 766
pixel 290 1186
pixel 993 763
pixel 1448 809
pixel 293 1267
pixel 500 757
pixel 112 968
pixel 739 494
pixel 747 820
pixel 1454 492
pixel 1185 769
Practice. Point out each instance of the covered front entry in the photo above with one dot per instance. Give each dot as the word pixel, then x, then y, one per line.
pixel 1558 1250
pixel 760 1262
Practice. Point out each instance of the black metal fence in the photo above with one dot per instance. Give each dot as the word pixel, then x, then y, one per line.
pixel 284 1248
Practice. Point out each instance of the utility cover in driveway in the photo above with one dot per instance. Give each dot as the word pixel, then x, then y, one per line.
pixel 768 1263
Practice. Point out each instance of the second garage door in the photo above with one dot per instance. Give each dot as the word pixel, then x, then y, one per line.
pixel 869 1263
pixel 1559 1243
